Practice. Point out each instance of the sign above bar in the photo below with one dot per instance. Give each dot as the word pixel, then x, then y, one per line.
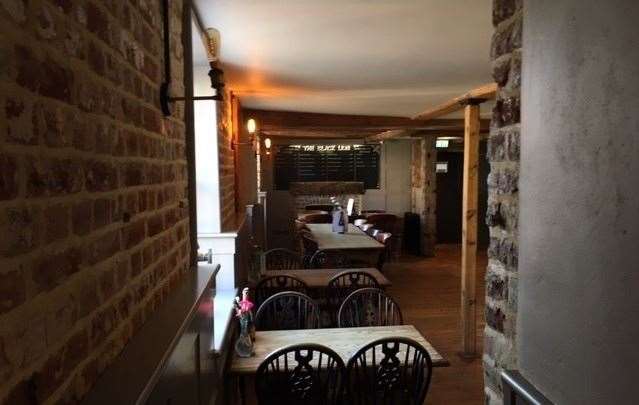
pixel 323 148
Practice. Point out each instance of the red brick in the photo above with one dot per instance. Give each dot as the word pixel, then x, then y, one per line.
pixel 124 306
pixel 148 256
pixel 142 200
pixel 132 203
pixel 154 174
pixel 107 284
pixel 96 58
pixel 65 5
pixel 20 230
pixel 136 263
pixel 53 177
pixel 150 68
pixel 8 177
pixel 133 174
pixel 57 368
pixel 134 233
pixel 106 138
pixel 53 269
pixel 131 142
pixel 152 119
pixel 47 77
pixel 57 219
pixel 103 210
pixel 170 217
pixel 100 176
pixel 86 296
pixel 155 224
pixel 12 290
pixel 81 217
pixel 19 125
pixel 104 247
pixel 103 324
pixel 49 124
pixel 97 21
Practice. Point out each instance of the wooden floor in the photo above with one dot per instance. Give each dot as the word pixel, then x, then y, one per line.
pixel 428 292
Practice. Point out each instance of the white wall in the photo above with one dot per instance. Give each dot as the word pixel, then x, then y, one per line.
pixel 394 192
pixel 578 319
pixel 206 155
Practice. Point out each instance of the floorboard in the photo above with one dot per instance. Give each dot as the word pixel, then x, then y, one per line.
pixel 428 292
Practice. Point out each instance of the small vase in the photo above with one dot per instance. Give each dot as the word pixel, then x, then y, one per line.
pixel 244 343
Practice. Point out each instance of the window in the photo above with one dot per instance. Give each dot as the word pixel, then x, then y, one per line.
pixel 327 163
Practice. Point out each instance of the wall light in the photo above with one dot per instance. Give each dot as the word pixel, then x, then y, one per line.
pixel 251 129
pixel 215 73
pixel 251 126
pixel 267 145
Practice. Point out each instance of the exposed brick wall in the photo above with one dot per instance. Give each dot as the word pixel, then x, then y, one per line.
pixel 225 134
pixel 423 191
pixel 503 198
pixel 93 215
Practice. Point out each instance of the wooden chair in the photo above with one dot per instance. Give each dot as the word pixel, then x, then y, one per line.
pixel 329 259
pixel 282 259
pixel 309 248
pixel 385 239
pixel 359 222
pixel 365 227
pixel 299 229
pixel 275 284
pixel 287 310
pixel 393 370
pixel 305 374
pixel 385 222
pixel 317 218
pixel 368 307
pixel 342 285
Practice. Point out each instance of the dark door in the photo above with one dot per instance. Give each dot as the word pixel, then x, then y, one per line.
pixel 449 198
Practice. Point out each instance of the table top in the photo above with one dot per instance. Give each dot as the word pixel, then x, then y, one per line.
pixel 354 239
pixel 302 214
pixel 344 341
pixel 319 278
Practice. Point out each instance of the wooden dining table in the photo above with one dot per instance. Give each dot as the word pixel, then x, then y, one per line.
pixel 354 239
pixel 302 214
pixel 319 278
pixel 344 341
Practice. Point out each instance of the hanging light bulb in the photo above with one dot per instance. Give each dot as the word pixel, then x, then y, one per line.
pixel 267 145
pixel 251 126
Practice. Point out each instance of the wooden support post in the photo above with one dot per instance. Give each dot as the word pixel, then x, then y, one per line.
pixel 469 229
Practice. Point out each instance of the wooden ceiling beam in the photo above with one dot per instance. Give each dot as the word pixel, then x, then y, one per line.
pixel 276 120
pixel 427 131
pixel 478 95
pixel 316 134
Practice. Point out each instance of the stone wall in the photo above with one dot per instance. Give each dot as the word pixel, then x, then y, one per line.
pixel 503 198
pixel 93 211
pixel 423 191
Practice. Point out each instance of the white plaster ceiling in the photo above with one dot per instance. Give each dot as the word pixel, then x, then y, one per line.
pixel 377 57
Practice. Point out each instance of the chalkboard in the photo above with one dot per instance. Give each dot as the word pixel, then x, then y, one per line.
pixel 326 163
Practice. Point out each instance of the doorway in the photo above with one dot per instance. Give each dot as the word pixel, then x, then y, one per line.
pixel 449 197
